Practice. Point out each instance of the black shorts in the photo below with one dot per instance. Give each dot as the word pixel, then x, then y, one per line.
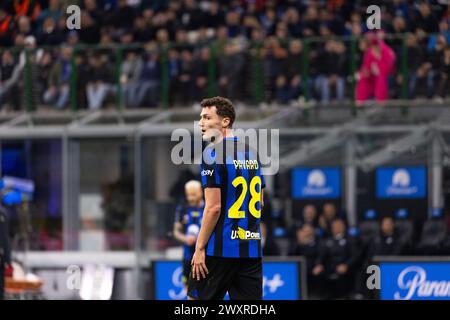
pixel 186 270
pixel 240 277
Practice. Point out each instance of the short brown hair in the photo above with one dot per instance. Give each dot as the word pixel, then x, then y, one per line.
pixel 224 107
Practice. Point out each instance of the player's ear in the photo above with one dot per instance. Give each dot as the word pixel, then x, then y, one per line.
pixel 225 122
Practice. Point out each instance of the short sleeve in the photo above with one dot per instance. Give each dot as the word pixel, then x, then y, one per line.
pixel 209 171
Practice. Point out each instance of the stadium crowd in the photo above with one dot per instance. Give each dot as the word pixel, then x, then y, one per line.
pixel 224 47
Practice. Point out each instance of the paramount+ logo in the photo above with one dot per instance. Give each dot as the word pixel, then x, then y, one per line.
pixel 245 234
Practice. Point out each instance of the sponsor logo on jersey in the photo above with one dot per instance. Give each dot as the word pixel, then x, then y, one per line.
pixel 207 172
pixel 244 234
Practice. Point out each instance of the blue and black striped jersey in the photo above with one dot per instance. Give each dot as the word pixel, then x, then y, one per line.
pixel 234 167
pixel 190 218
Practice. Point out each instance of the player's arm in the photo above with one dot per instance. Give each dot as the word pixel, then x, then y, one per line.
pixel 178 232
pixel 262 198
pixel 211 215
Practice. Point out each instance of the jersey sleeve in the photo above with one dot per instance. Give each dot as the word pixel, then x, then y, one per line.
pixel 210 175
pixel 209 172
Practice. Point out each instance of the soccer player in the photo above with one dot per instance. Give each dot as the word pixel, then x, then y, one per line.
pixel 227 255
pixel 187 223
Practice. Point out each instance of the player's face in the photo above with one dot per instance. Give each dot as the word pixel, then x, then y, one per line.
pixel 193 196
pixel 210 123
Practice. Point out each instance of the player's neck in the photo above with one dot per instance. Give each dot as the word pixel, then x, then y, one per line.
pixel 226 133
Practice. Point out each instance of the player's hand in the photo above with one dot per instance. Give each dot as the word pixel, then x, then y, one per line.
pixel 199 265
pixel 190 240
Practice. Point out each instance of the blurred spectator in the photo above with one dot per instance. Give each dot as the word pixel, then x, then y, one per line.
pixel 307 246
pixel 131 70
pixel 99 83
pixel 141 32
pixel 444 31
pixel 201 65
pixel 268 21
pixel 444 76
pixel 274 55
pixel 215 16
pixel 54 11
pixel 24 26
pixel 90 27
pixel 377 66
pixel 309 215
pixel 388 242
pixel 329 214
pixel 149 81
pixel 10 72
pixel 337 257
pixel 192 16
pixel 434 65
pixel 425 19
pixel 44 66
pixel 29 8
pixel 123 16
pixel 83 75
pixel 6 27
pixel 290 78
pixel 311 22
pixel 292 19
pixel 331 69
pixel 230 68
pixel 50 34
pixel 59 80
pixel 185 85
pixel 174 70
pixel 415 61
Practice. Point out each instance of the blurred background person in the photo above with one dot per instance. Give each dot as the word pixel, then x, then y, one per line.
pixel 307 246
pixel 188 217
pixel 337 257
pixel 373 76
